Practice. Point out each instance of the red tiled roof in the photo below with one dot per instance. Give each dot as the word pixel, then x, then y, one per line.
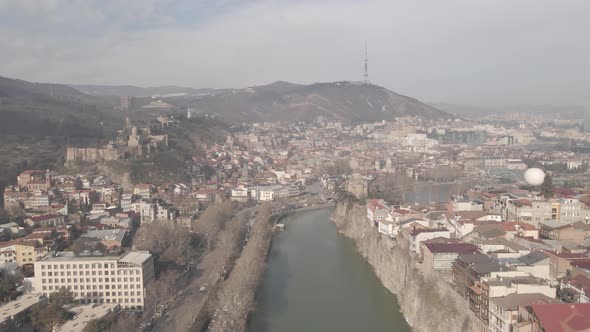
pixel 376 204
pixel 524 201
pixel 45 217
pixel 459 248
pixel 562 317
pixel 580 281
pixel 582 263
pixel 415 232
pixel 511 226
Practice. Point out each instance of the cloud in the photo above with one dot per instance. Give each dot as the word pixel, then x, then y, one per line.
pixel 456 51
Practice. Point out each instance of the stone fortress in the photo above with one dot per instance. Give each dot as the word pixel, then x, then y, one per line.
pixel 129 144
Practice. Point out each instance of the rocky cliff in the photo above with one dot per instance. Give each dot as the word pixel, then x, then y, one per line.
pixel 428 304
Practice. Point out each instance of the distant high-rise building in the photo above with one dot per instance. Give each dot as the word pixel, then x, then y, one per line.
pixel 366 72
pixel 124 102
pixel 586 124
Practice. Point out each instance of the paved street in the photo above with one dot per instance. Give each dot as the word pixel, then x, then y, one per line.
pixel 182 314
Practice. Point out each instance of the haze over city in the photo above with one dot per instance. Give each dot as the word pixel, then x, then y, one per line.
pixel 289 166
pixel 466 52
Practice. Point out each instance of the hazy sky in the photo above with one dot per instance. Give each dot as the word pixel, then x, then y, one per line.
pixel 459 51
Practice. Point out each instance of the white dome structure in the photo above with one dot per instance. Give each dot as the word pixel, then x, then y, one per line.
pixel 534 176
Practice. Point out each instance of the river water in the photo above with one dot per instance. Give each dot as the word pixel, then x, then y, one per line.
pixel 316 282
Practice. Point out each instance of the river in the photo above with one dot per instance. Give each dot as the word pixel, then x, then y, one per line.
pixel 316 281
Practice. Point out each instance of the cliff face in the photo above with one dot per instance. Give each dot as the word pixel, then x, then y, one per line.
pixel 428 304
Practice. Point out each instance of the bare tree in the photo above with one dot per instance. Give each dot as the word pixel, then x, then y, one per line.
pixel 237 296
pixel 212 221
pixel 124 323
pixel 168 240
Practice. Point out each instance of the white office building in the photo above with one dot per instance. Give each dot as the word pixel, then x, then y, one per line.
pixel 93 279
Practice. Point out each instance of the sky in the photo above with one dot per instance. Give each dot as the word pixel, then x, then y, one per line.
pixel 479 52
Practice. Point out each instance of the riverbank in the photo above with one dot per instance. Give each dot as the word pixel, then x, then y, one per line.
pixel 236 296
pixel 428 304
pixel 316 281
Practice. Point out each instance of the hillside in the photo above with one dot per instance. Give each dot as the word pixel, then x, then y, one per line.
pixel 135 91
pixel 37 120
pixel 282 101
pixel 565 112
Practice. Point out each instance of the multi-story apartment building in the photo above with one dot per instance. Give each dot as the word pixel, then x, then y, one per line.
pixel 122 279
pixel 143 190
pixel 154 210
pixel 572 210
pixel 503 313
pixel 21 252
pixel 502 284
pixel 377 210
pixel 532 211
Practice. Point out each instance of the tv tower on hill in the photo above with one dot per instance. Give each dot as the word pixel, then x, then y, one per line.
pixel 366 73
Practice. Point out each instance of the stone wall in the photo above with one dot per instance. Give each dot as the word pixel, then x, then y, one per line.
pixel 428 304
pixel 93 154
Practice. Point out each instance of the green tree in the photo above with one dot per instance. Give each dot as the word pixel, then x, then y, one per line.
pixel 99 325
pixel 547 187
pixel 7 285
pixel 45 317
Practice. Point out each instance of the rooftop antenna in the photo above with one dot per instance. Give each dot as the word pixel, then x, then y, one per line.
pixel 366 73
